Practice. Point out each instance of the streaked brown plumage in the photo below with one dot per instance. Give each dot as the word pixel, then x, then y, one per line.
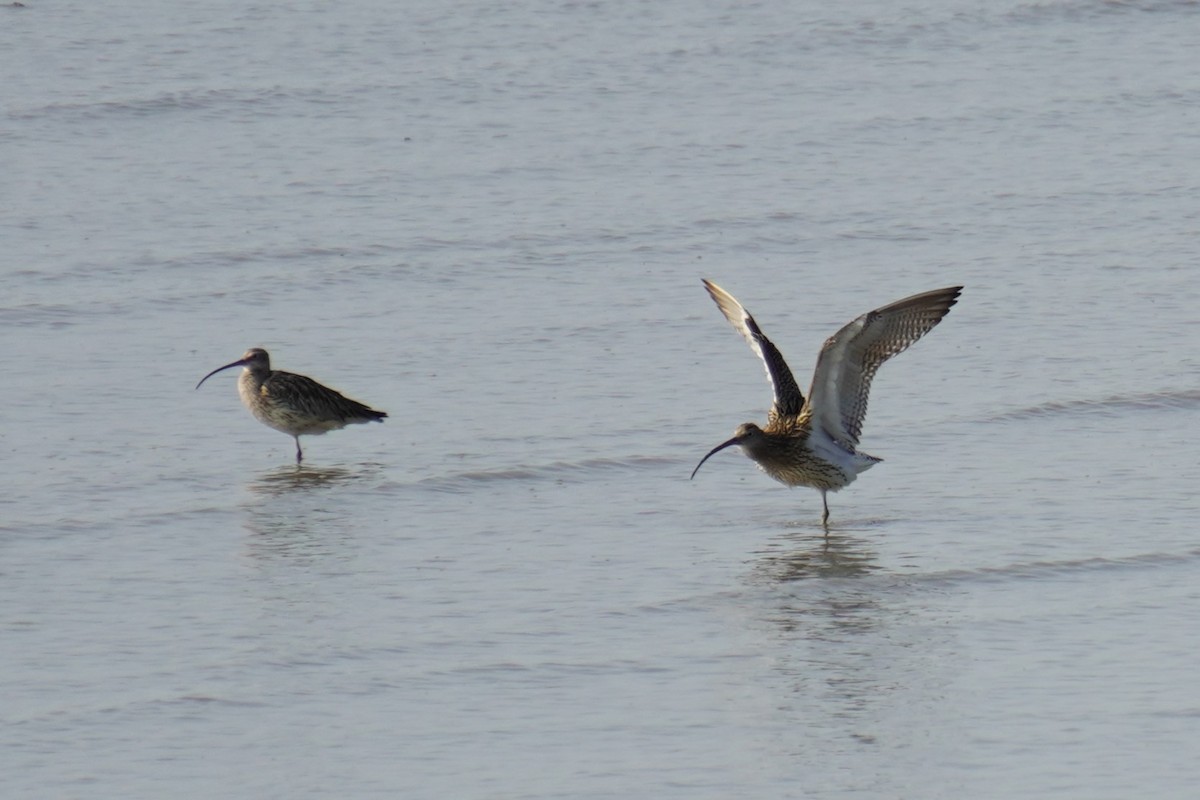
pixel 291 403
pixel 815 443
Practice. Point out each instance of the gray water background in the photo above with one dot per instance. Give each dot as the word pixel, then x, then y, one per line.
pixel 491 220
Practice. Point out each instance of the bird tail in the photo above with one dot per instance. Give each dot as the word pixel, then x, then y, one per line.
pixel 864 461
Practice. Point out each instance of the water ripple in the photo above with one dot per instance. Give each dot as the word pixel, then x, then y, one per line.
pixel 255 100
pixel 1037 570
pixel 1111 405
pixel 558 471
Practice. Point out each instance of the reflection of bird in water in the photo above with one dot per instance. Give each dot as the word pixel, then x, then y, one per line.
pixel 294 404
pixel 290 480
pixel 815 443
pixel 797 558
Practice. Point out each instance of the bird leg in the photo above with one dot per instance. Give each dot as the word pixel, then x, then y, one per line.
pixel 299 455
pixel 825 516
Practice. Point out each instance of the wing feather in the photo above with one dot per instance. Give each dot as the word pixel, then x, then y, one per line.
pixel 302 394
pixel 788 399
pixel 850 358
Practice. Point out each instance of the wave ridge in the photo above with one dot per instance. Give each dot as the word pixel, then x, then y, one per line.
pixel 556 471
pixel 1109 406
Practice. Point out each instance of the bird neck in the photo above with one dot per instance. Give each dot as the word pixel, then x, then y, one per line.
pixel 253 379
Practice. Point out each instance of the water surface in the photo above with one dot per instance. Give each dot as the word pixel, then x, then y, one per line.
pixel 491 221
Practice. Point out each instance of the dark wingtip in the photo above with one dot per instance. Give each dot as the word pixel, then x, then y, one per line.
pixel 952 295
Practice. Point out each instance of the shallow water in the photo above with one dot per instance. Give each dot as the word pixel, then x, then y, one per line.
pixel 492 223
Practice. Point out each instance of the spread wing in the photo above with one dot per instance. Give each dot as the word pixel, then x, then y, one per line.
pixel 850 358
pixel 788 400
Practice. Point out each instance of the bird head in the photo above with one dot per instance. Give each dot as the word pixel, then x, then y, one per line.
pixel 255 359
pixel 745 435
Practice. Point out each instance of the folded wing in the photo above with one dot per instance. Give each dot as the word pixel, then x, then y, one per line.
pixel 302 395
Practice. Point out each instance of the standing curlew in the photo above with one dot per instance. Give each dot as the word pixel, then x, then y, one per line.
pixel 291 403
pixel 815 443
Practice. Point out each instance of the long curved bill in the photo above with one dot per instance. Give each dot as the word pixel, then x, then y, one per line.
pixel 715 450
pixel 239 363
